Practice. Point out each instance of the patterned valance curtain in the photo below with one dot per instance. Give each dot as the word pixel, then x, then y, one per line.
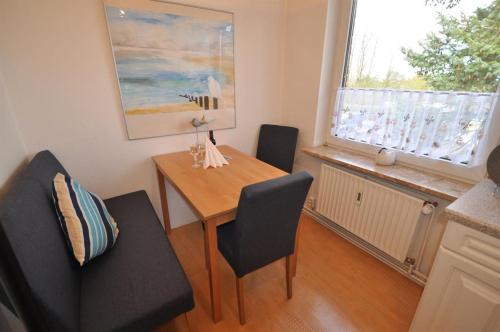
pixel 440 125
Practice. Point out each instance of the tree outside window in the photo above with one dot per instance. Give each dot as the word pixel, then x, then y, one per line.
pixel 444 45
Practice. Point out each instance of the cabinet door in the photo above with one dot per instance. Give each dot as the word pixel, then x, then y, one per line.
pixel 461 295
pixel 340 196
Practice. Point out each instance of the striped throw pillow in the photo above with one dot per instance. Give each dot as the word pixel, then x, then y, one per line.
pixel 85 221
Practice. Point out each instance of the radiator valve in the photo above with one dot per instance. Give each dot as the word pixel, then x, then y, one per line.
pixel 428 208
pixel 410 261
pixel 311 203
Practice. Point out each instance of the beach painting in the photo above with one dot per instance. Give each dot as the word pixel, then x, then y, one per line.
pixel 173 63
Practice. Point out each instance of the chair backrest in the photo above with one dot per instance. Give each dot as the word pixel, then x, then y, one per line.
pixel 266 221
pixel 277 146
pixel 38 272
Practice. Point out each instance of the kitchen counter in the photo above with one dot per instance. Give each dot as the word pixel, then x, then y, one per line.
pixel 478 209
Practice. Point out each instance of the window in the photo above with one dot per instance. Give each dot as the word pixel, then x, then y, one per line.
pixel 421 76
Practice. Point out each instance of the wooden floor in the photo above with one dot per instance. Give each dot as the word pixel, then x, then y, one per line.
pixel 338 287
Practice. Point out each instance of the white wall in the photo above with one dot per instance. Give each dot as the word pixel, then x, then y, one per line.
pixel 305 31
pixel 12 159
pixel 303 54
pixel 12 150
pixel 58 66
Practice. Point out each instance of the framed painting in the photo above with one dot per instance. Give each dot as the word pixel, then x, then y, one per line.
pixel 173 63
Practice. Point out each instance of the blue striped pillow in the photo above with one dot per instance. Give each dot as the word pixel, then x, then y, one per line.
pixel 85 221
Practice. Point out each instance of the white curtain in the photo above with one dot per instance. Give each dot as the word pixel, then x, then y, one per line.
pixel 440 125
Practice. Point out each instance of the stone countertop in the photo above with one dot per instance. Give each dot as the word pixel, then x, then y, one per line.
pixel 478 209
pixel 436 185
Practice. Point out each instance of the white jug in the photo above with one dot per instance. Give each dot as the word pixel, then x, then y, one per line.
pixel 385 157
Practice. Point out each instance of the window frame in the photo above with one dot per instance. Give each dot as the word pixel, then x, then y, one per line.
pixel 466 173
pixel 350 33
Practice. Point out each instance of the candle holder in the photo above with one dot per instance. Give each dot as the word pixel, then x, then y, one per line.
pixel 195 152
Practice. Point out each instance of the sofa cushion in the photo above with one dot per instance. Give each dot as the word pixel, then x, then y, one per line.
pixel 140 283
pixel 40 274
pixel 42 168
pixel 85 221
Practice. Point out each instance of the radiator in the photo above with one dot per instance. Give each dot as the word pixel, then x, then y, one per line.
pixel 384 217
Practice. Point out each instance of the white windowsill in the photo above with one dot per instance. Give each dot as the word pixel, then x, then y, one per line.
pixel 439 167
pixel 437 185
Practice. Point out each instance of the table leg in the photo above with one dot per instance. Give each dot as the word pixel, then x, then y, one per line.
pixel 296 250
pixel 164 203
pixel 213 269
pixel 207 252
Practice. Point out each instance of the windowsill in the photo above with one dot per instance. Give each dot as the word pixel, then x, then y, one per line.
pixel 437 185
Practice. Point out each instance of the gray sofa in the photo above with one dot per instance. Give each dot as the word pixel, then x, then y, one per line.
pixel 136 286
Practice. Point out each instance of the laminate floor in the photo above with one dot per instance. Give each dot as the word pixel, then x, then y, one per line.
pixel 338 287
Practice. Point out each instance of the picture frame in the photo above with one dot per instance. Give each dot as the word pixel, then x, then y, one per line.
pixel 173 63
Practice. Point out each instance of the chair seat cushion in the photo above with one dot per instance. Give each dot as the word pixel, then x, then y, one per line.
pixel 140 284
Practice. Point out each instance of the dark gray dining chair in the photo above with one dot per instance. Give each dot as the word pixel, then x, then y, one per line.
pixel 277 146
pixel 264 229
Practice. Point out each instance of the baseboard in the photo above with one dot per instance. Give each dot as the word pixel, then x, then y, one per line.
pixel 404 269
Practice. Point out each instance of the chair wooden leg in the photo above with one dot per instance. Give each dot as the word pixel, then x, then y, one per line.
pixel 187 321
pixel 241 299
pixel 289 276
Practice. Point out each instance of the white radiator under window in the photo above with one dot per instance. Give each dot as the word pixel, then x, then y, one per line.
pixel 384 217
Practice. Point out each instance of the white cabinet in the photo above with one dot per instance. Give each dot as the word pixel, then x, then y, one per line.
pixel 463 290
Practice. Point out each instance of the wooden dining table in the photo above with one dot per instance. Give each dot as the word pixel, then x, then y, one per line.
pixel 213 194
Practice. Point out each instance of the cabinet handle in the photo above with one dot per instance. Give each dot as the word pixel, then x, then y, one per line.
pixel 359 198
